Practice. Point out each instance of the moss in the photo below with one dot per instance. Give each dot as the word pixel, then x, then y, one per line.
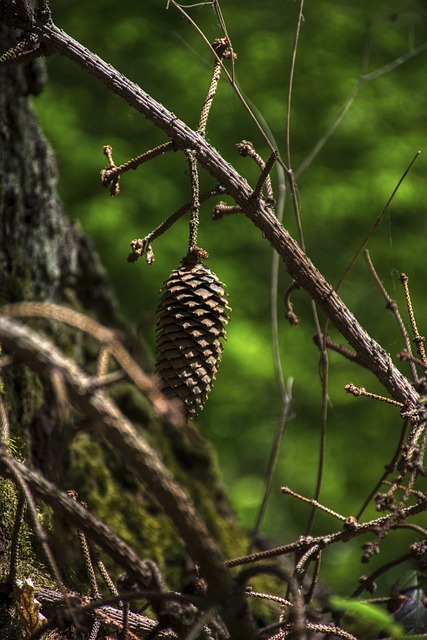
pixel 16 286
pixel 28 566
pixel 110 488
pixel 194 463
pixel 117 497
pixel 23 395
pixel 136 407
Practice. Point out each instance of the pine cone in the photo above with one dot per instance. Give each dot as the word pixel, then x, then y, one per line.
pixel 192 315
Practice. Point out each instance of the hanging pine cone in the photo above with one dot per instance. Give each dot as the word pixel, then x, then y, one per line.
pixel 192 315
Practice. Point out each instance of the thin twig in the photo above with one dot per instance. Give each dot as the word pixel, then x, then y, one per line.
pixel 125 622
pixel 247 150
pixel 338 348
pixel 368 581
pixel 223 26
pixel 289 630
pixel 361 391
pixel 142 246
pixel 389 469
pixel 291 82
pixel 406 356
pixel 267 596
pixel 95 629
pixel 413 527
pixel 314 503
pixel 231 80
pixel 86 554
pixel 375 224
pixel 272 462
pixel 392 305
pixel 314 580
pixel 109 378
pixel 264 180
pixel 222 50
pixel 38 353
pixel 305 543
pixel 418 339
pixel 102 569
pixel 113 172
pixel 413 459
pixel 363 79
pixel 25 49
pixel 14 546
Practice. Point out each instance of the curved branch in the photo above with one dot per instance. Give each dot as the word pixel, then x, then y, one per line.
pixel 298 264
pixel 75 513
pixel 103 414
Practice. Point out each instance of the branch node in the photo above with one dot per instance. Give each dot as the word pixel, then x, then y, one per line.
pixel 417 339
pixel 222 209
pixel 247 150
pixel 106 174
pixel 291 316
pixel 140 247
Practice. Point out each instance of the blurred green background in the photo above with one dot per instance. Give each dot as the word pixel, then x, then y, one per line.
pixel 340 195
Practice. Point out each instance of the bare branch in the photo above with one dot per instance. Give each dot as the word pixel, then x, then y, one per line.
pixel 102 413
pixel 298 264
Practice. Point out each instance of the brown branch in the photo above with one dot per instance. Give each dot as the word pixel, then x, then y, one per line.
pixel 298 264
pixel 73 512
pixel 111 175
pixel 141 246
pixel 137 623
pixel 102 414
pixel 392 305
pixel 351 529
pixel 146 383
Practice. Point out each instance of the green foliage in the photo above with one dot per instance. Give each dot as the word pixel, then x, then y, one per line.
pixel 367 620
pixel 340 194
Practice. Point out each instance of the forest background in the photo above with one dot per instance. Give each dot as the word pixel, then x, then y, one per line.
pixel 341 192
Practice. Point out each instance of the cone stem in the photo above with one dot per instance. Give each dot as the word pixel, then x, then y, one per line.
pixel 204 114
pixel 195 201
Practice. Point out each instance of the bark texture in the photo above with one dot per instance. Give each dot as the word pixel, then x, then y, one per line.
pixel 43 256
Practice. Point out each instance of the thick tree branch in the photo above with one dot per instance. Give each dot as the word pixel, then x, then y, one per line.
pixel 76 514
pixel 298 264
pixel 103 414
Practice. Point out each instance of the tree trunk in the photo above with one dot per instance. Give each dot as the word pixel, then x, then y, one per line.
pixel 44 256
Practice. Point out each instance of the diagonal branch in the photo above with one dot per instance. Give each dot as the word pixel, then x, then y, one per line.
pixel 75 513
pixel 298 264
pixel 103 414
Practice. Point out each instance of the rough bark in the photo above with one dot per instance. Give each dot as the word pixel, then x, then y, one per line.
pixel 43 255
